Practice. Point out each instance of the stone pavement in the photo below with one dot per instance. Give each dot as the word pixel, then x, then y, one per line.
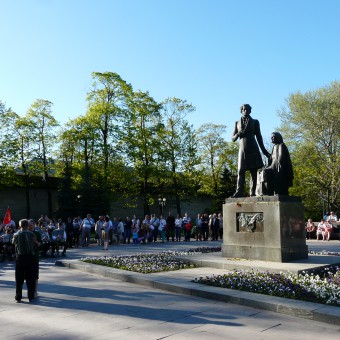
pixel 76 305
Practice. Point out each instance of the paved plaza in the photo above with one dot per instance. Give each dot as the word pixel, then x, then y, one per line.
pixel 73 304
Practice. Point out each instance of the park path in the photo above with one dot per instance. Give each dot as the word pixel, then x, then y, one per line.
pixel 77 305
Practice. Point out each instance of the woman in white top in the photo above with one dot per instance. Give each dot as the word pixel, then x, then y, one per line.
pixel 178 226
pixel 161 228
pixel 105 232
pixel 120 230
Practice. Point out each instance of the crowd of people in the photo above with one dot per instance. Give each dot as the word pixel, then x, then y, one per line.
pixel 153 228
pixel 56 236
pixel 34 239
pixel 324 230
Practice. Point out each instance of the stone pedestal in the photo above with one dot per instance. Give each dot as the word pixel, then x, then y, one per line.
pixel 267 228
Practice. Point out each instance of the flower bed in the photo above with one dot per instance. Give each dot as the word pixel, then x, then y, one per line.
pixel 324 252
pixel 144 263
pixel 322 286
pixel 319 286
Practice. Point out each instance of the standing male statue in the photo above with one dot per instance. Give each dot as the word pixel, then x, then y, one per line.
pixel 249 157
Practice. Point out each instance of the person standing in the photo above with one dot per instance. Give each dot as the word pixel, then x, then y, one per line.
pixel 148 228
pixel 170 227
pixel 187 227
pixel 86 227
pixel 31 227
pixel 120 230
pixel 69 232
pixel 113 236
pixel 199 227
pixel 310 229
pixel 76 231
pixel 220 230
pixel 247 130
pixel 105 228
pixel 178 224
pixel 135 223
pixel 161 228
pixel 127 230
pixel 98 229
pixel 25 243
pixel 155 224
pixel 215 226
pixel 205 226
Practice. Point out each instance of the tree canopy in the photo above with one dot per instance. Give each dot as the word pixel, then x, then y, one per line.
pixel 310 125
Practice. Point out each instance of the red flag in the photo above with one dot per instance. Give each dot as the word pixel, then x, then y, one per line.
pixel 8 216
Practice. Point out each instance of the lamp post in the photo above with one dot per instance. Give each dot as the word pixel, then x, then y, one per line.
pixel 161 202
pixel 323 206
pixel 79 210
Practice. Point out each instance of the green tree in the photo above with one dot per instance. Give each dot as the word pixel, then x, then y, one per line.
pixel 16 152
pixel 178 147
pixel 81 168
pixel 212 146
pixel 310 126
pixel 107 103
pixel 218 162
pixel 43 136
pixel 139 142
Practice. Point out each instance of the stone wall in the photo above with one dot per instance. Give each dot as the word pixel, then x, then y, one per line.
pixel 15 199
pixel 192 207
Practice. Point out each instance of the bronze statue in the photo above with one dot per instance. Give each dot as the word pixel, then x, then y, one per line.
pixel 248 131
pixel 278 176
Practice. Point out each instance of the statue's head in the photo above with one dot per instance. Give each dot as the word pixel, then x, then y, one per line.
pixel 276 138
pixel 245 109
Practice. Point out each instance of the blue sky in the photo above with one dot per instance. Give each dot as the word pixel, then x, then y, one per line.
pixel 216 54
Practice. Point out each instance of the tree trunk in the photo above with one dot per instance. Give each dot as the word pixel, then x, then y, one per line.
pixel 145 196
pixel 27 195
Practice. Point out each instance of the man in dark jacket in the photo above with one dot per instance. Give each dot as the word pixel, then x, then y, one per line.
pixel 25 243
pixel 170 225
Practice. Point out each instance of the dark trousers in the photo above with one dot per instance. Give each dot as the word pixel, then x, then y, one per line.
pixel 155 234
pixel 25 269
pixel 43 248
pixel 187 234
pixel 199 232
pixel 214 234
pixel 178 233
pixel 69 238
pixel 170 232
pixel 205 231
pixel 85 237
pixel 127 235
pixel 241 176
pixel 76 234
pixel 57 245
